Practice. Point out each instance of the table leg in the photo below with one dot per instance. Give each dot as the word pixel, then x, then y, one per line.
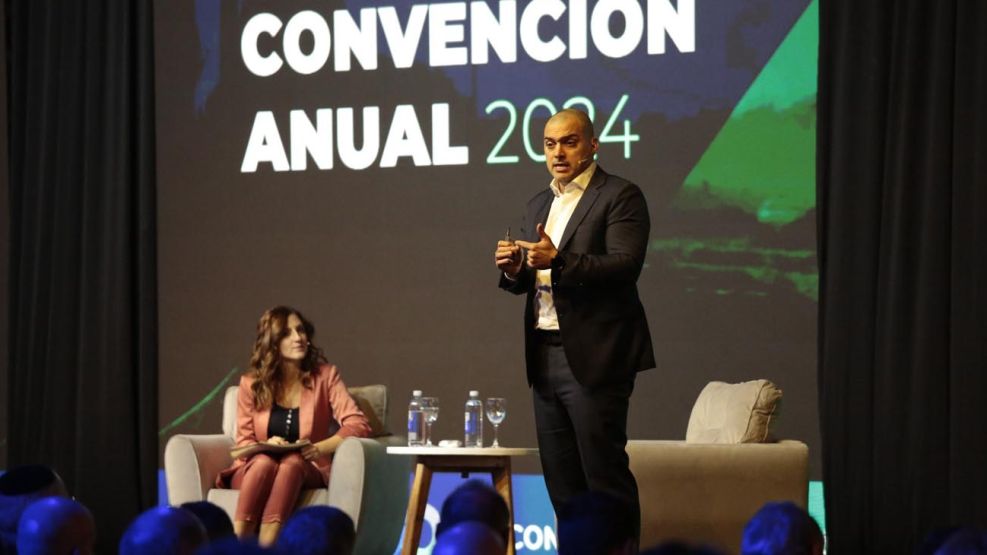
pixel 502 483
pixel 416 508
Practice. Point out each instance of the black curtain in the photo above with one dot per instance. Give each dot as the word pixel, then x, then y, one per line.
pixel 83 330
pixel 902 201
pixel 4 242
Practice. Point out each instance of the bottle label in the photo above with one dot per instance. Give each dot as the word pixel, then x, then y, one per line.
pixel 416 430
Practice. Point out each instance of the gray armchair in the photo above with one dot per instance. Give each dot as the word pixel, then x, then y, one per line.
pixel 706 488
pixel 366 483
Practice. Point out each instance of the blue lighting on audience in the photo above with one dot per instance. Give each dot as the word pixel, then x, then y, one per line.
pixel 534 519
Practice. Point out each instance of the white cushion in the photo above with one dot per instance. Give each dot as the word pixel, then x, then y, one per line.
pixel 734 413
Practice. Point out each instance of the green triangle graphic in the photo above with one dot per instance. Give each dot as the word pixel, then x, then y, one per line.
pixel 763 159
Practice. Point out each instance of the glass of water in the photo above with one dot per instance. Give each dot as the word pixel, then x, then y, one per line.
pixel 496 411
pixel 430 408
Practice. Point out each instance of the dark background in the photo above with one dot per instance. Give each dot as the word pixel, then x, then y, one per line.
pixel 902 121
pixel 4 241
pixel 394 266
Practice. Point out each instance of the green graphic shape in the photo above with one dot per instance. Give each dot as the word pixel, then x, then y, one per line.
pixel 763 159
pixel 767 267
pixel 817 504
pixel 196 410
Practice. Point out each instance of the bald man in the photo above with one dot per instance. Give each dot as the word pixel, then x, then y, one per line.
pixel 586 335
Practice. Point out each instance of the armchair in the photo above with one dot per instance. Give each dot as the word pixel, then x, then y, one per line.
pixel 366 483
pixel 706 488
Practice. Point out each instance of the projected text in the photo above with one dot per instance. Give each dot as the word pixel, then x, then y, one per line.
pixel 357 38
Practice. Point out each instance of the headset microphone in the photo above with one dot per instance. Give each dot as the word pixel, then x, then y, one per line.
pixel 578 162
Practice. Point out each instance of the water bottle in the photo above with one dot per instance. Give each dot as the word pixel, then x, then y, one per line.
pixel 474 421
pixel 416 420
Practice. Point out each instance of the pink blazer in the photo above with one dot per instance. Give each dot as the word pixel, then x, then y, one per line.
pixel 322 406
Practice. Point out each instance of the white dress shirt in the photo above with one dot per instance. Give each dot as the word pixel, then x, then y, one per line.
pixel 563 205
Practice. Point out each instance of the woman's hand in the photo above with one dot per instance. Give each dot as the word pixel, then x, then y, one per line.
pixel 277 440
pixel 311 452
pixel 322 448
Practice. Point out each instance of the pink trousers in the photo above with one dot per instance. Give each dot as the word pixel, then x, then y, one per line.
pixel 269 486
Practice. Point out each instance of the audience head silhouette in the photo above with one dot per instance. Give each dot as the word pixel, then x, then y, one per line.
pixel 782 528
pixel 19 487
pixel 214 519
pixel 679 548
pixel 475 501
pixel 232 545
pixel 596 523
pixel 56 526
pixel 964 541
pixel 163 530
pixel 469 538
pixel 317 530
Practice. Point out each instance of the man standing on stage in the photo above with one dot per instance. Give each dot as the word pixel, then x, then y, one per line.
pixel 586 335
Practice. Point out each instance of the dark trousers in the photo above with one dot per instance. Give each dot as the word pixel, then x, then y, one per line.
pixel 582 432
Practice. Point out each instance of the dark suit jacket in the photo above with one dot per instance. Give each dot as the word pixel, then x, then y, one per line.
pixel 594 282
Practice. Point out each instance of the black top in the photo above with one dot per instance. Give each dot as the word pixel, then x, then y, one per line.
pixel 283 422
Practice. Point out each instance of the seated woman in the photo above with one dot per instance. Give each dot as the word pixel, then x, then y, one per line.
pixel 290 393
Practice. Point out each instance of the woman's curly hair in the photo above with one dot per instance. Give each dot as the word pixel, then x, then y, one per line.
pixel 265 362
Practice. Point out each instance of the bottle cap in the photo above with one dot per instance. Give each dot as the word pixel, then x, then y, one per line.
pixel 416 393
pixel 474 393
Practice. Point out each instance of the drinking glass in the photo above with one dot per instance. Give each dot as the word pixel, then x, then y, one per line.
pixel 496 411
pixel 430 407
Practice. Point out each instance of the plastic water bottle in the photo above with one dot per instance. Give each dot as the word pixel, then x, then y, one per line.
pixel 416 420
pixel 474 421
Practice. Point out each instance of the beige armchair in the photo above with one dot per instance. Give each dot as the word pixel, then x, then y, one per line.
pixel 705 489
pixel 366 483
